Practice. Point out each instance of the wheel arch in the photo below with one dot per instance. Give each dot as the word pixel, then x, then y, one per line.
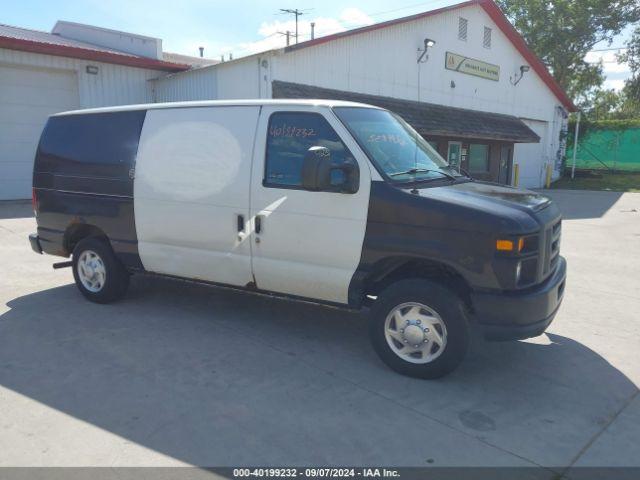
pixel 392 269
pixel 79 231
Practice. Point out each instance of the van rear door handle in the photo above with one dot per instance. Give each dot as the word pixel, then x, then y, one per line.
pixel 258 224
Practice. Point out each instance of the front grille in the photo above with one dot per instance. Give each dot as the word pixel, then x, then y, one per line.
pixel 551 253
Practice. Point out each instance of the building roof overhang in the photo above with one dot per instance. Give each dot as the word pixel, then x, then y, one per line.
pixel 427 118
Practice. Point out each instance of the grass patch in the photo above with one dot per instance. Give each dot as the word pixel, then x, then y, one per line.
pixel 614 182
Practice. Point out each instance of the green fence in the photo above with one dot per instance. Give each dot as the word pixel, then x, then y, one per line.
pixel 606 149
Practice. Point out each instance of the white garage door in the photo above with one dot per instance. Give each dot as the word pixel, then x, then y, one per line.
pixel 27 97
pixel 532 157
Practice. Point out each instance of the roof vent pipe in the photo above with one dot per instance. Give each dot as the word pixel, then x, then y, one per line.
pixel 288 37
pixel 222 58
pixel 313 29
pixel 201 51
pixel 231 56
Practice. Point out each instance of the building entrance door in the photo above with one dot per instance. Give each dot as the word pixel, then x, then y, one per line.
pixel 453 155
pixel 506 153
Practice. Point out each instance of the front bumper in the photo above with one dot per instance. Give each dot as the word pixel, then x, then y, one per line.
pixel 34 240
pixel 519 315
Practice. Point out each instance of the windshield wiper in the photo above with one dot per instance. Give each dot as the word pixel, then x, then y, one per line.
pixel 465 173
pixel 413 171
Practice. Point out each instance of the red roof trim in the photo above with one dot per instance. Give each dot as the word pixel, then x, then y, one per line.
pixel 496 15
pixel 87 54
pixel 516 39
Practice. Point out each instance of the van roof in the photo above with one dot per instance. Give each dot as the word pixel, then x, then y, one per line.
pixel 217 103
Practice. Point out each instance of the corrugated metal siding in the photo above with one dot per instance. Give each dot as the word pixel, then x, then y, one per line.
pixel 113 85
pixel 384 62
pixel 192 85
pixel 239 79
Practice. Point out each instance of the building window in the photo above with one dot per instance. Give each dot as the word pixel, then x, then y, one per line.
pixel 487 37
pixel 289 136
pixel 478 158
pixel 462 28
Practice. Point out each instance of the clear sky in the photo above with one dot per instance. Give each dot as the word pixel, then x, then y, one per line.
pixel 239 27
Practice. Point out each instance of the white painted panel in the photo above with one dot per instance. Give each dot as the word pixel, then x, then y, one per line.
pixel 532 157
pixel 27 97
pixel 311 242
pixel 192 180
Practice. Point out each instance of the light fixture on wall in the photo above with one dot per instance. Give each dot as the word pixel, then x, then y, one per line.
pixel 428 43
pixel 515 80
pixel 92 70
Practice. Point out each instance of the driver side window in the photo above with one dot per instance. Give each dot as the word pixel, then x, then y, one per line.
pixel 289 136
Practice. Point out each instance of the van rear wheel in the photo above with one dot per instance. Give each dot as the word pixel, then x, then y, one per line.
pixel 418 328
pixel 99 275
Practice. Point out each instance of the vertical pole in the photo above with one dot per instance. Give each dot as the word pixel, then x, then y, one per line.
pixel 288 36
pixel 575 146
pixel 313 28
pixel 297 25
pixel 615 153
pixel 516 174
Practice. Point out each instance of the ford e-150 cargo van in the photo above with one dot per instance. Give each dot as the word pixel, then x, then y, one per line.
pixel 339 203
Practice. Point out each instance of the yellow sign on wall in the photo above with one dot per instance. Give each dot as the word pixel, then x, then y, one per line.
pixel 471 66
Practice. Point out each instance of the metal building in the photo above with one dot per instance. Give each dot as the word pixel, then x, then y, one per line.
pixel 74 66
pixel 477 92
pixel 461 75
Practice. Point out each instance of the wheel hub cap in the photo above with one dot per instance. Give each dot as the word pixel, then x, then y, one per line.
pixel 91 271
pixel 414 335
pixel 415 332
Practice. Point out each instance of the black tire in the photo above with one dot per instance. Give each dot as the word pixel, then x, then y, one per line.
pixel 116 279
pixel 445 303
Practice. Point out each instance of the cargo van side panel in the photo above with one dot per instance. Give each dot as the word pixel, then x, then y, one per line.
pixel 83 178
pixel 192 192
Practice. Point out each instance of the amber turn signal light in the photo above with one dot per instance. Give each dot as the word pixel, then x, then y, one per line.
pixel 504 245
pixel 509 245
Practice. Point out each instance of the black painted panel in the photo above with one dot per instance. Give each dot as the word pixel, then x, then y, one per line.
pixel 82 177
pixel 80 152
pixel 456 225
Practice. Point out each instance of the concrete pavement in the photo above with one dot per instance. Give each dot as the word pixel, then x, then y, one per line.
pixel 179 373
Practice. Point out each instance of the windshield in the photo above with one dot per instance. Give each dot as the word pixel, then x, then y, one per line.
pixel 394 146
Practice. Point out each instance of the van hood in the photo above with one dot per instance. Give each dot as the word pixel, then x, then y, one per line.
pixel 487 194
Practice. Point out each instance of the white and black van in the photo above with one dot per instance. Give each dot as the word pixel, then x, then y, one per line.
pixel 339 203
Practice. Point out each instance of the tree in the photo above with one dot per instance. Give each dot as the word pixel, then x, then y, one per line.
pixel 562 32
pixel 603 105
pixel 632 57
pixel 611 105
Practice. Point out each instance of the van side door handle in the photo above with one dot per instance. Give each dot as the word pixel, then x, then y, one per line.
pixel 240 227
pixel 258 224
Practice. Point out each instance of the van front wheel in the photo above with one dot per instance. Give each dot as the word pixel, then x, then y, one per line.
pixel 419 329
pixel 99 275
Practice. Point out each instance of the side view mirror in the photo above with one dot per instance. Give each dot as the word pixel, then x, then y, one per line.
pixel 320 174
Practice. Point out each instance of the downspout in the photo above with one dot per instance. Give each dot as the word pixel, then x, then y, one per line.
pixel 575 146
